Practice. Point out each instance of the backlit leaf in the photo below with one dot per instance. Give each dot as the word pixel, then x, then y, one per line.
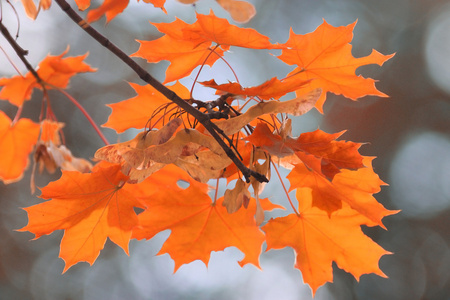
pixel 353 188
pixel 136 112
pixel 325 57
pixel 111 8
pixel 55 71
pixel 318 150
pixel 240 11
pixel 187 46
pixel 273 88
pixel 199 226
pixel 319 239
pixel 16 143
pixel 90 208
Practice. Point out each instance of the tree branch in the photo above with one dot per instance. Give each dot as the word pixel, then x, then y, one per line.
pixel 203 118
pixel 20 52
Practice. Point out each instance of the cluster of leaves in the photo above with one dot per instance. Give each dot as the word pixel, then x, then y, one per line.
pixel 333 183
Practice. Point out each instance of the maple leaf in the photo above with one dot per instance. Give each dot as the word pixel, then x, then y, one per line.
pixel 324 57
pixel 186 149
pixel 319 239
pixel 220 31
pixel 83 4
pixel 90 208
pixel 136 112
pixel 184 54
pixel 318 150
pixel 115 153
pixel 273 88
pixel 31 10
pixel 187 46
pixel 198 225
pixel 16 143
pixel 296 107
pixel 355 188
pixel 17 89
pixel 240 11
pixel 111 8
pixel 233 199
pixel 335 155
pixel 55 71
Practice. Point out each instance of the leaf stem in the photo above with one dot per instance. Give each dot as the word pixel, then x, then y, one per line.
pixel 201 67
pixel 216 191
pixel 17 116
pixel 11 62
pixel 285 190
pixel 85 113
pixel 226 62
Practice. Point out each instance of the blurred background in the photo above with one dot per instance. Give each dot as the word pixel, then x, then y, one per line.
pixel 408 132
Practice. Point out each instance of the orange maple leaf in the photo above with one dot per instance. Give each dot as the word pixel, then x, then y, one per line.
pixel 335 155
pixel 272 88
pixel 55 71
pixel 90 208
pixel 17 89
pixel 198 225
pixel 220 31
pixel 32 11
pixel 83 4
pixel 240 11
pixel 354 188
pixel 136 112
pixel 319 239
pixel 318 150
pixel 324 56
pixel 184 54
pixel 16 143
pixel 111 8
pixel 187 46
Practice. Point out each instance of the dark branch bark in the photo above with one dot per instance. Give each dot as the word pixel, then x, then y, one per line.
pixel 20 52
pixel 203 118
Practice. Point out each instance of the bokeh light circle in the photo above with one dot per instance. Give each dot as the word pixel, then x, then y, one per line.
pixel 419 175
pixel 437 48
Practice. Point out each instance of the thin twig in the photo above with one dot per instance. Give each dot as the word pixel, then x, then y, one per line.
pixel 203 118
pixel 86 114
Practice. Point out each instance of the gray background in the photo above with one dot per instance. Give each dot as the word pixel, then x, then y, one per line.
pixel 408 132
